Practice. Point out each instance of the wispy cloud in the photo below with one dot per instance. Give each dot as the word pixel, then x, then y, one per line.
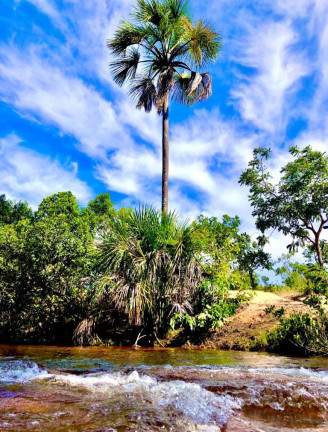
pixel 264 96
pixel 47 7
pixel 269 49
pixel 27 175
pixel 46 94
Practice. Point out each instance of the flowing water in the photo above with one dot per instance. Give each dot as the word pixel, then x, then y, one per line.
pixel 114 389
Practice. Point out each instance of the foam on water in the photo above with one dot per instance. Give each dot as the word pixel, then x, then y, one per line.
pixel 16 371
pixel 281 389
pixel 301 373
pixel 204 398
pixel 189 400
pixel 236 370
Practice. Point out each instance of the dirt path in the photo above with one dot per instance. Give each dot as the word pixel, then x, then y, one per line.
pixel 251 322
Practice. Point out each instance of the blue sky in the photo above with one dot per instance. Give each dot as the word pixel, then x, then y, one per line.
pixel 64 124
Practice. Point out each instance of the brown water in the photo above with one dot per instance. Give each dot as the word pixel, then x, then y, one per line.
pixel 112 389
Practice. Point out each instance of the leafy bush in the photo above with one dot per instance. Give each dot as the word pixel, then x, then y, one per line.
pixel 212 307
pixel 313 301
pixel 301 334
pixel 46 272
pixel 269 309
pixel 317 280
pixel 211 317
pixel 150 267
pixel 278 313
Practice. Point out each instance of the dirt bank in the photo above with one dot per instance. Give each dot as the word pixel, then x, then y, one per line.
pixel 249 326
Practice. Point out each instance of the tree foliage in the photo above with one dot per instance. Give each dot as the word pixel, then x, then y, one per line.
pixel 229 255
pixel 160 51
pixel 46 271
pixel 11 212
pixel 66 269
pixel 297 205
pixel 150 266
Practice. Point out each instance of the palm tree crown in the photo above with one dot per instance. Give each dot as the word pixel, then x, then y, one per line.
pixel 160 51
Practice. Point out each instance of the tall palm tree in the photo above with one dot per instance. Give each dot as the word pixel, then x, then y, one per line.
pixel 160 52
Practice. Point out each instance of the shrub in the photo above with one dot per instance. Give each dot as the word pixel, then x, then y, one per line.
pixel 150 267
pixel 212 307
pixel 301 334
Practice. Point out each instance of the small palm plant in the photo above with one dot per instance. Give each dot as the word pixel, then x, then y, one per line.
pixel 160 52
pixel 150 267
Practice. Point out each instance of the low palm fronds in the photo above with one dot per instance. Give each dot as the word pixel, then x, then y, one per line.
pixel 149 267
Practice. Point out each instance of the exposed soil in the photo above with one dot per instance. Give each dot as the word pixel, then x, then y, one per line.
pixel 248 327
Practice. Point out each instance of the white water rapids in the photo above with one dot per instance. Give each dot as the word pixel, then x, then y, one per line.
pixel 161 398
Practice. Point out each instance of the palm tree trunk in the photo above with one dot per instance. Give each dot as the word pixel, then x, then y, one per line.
pixel 165 156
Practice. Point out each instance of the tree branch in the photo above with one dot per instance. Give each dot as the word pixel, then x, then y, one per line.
pixel 266 186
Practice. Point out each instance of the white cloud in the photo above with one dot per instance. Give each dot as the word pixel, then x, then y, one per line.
pixel 131 171
pixel 45 93
pixel 208 151
pixel 45 6
pixel 86 25
pixel 291 8
pixel 28 175
pixel 264 96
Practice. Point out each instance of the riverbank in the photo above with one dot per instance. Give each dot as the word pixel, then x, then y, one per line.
pixel 248 328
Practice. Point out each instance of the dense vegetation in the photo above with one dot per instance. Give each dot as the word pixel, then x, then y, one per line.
pixel 301 335
pixel 95 269
pixel 297 206
pixel 100 275
pixel 46 266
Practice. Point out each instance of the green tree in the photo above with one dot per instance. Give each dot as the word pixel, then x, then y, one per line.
pixel 150 267
pixel 297 205
pixel 45 272
pixel 230 255
pixel 160 51
pixel 294 275
pixel 101 205
pixel 11 212
pixel 61 203
pixel 100 211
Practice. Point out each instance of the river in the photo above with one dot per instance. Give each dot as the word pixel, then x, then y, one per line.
pixel 56 389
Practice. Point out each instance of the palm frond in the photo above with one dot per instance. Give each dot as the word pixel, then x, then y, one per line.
pixel 127 36
pixel 180 90
pixel 194 82
pixel 149 11
pixel 125 68
pixel 200 89
pixel 178 8
pixel 189 89
pixel 152 263
pixel 163 38
pixel 144 91
pixel 205 42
